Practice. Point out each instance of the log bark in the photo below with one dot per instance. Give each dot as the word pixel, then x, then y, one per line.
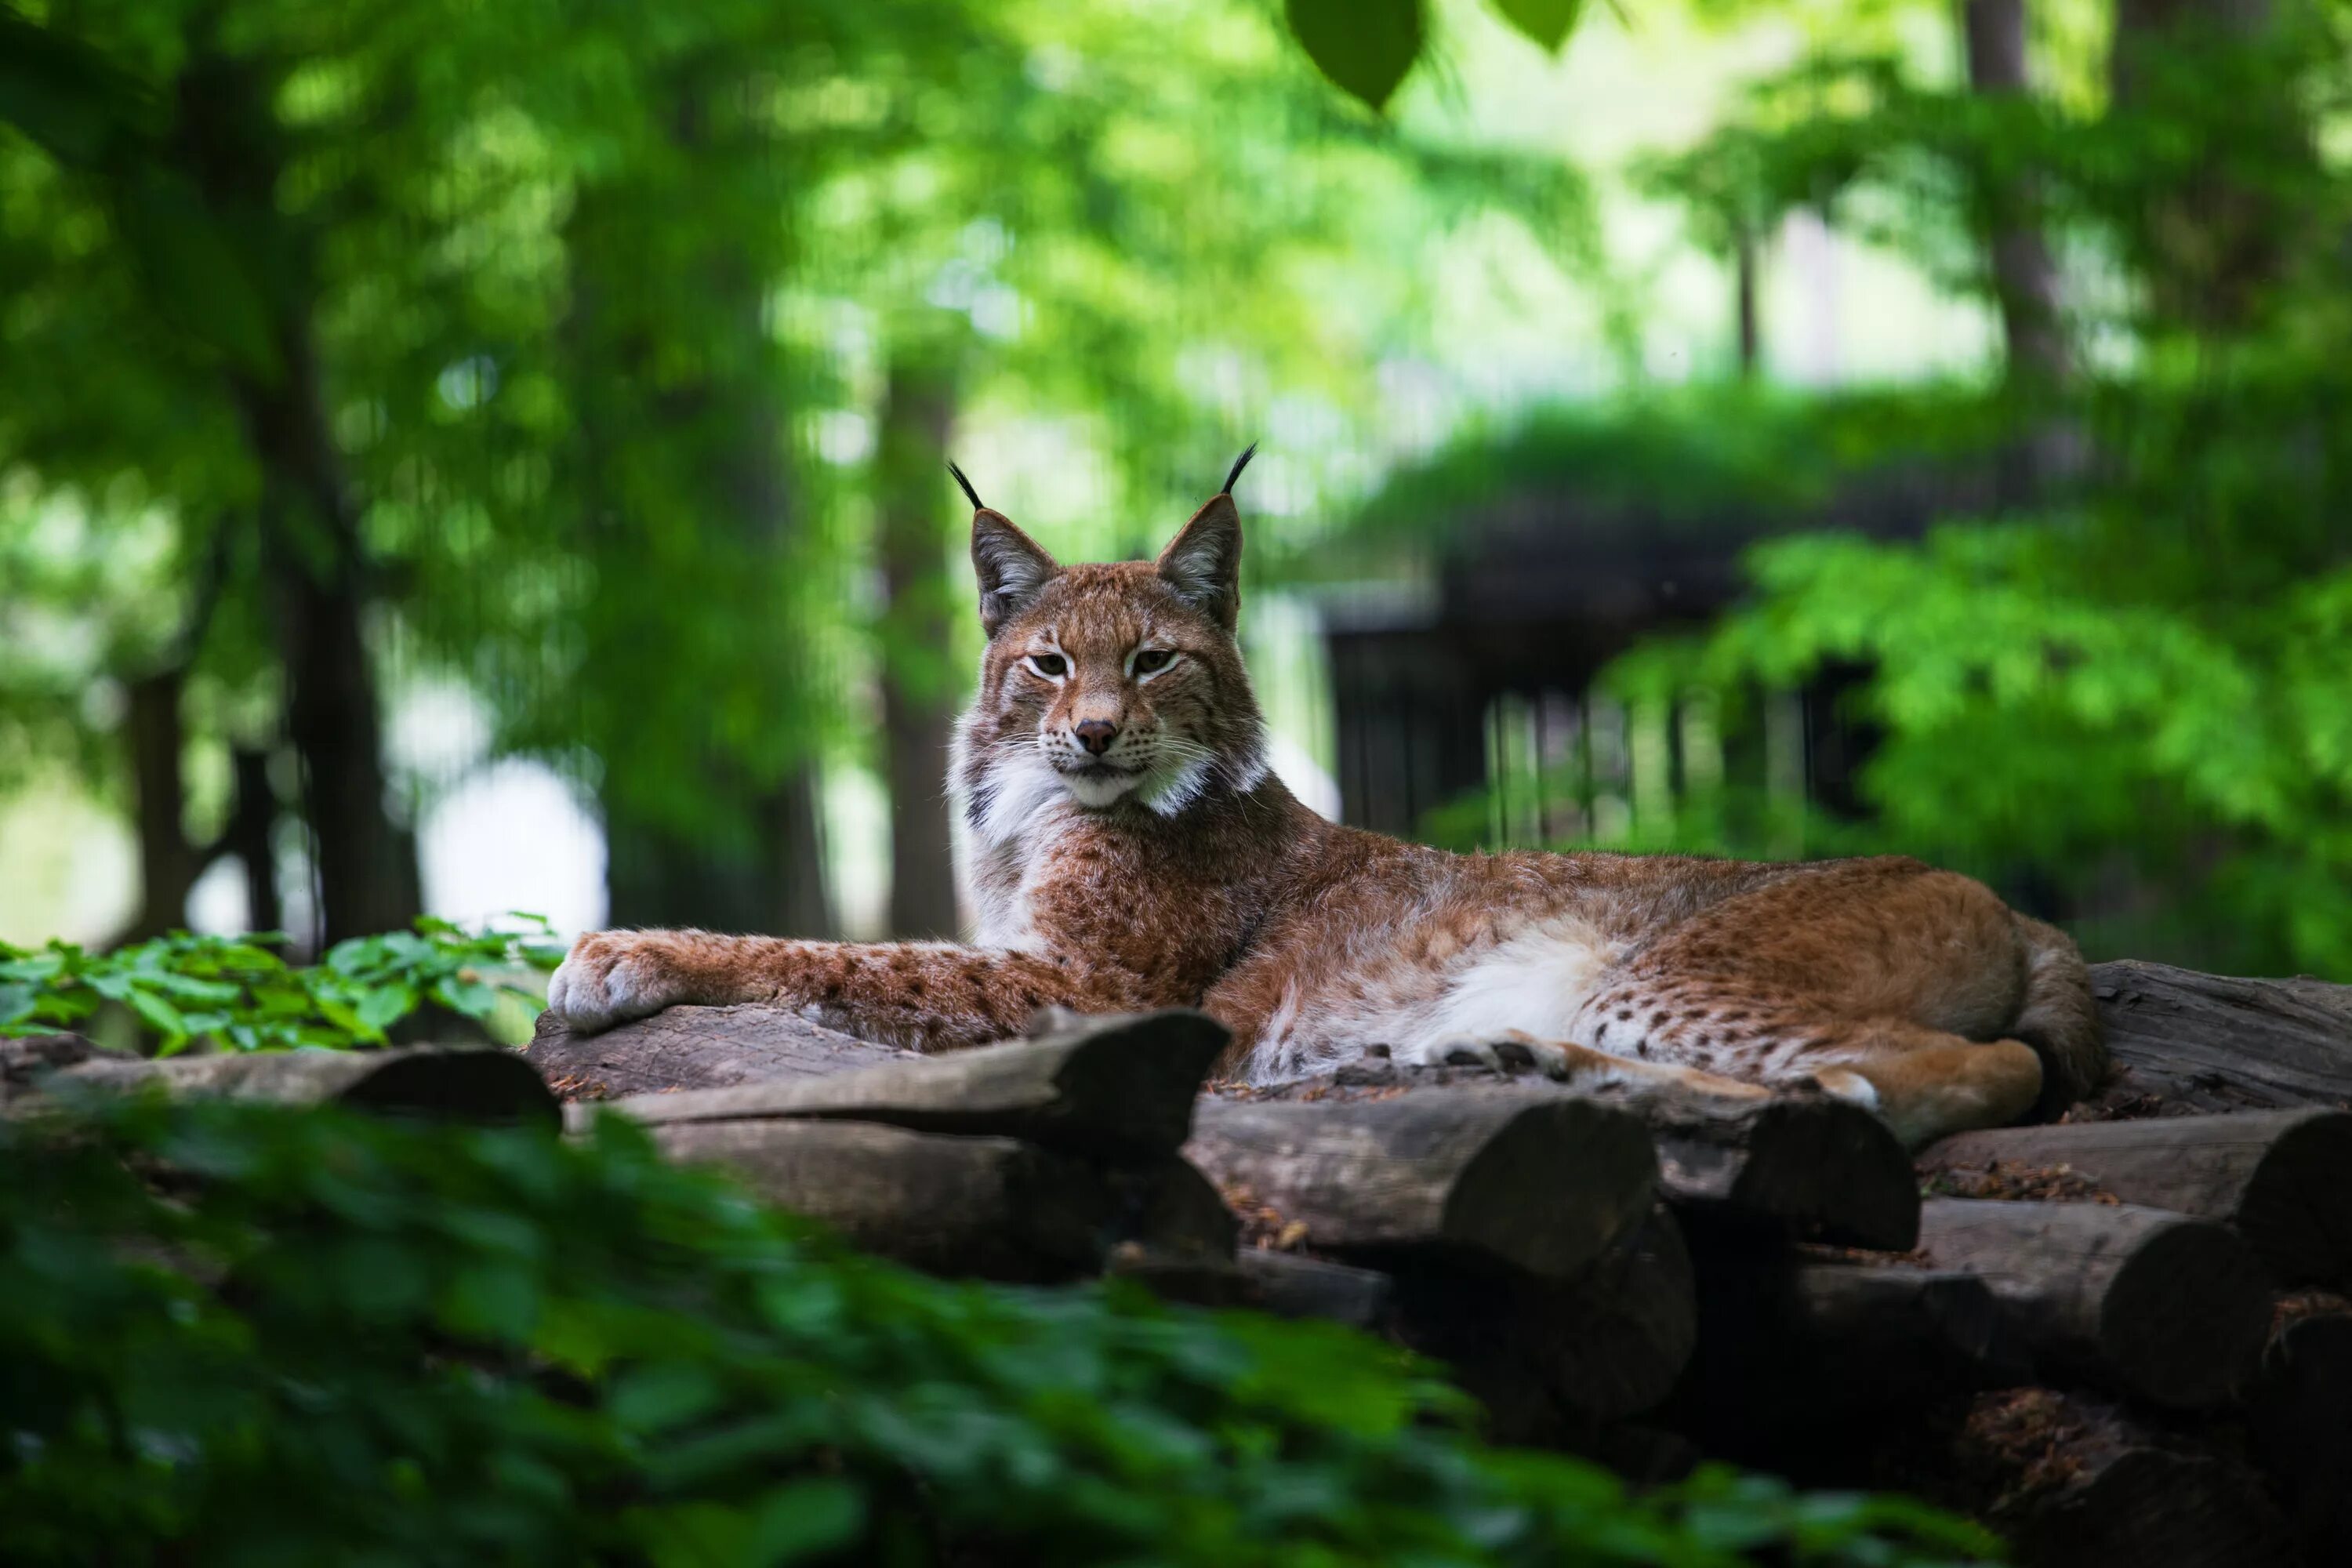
pixel 1540 1183
pixel 1291 1285
pixel 2076 1483
pixel 2171 1308
pixel 1817 1168
pixel 2300 1413
pixel 2281 1179
pixel 2187 1043
pixel 993 1208
pixel 484 1086
pixel 696 1047
pixel 1117 1087
pixel 1553 1358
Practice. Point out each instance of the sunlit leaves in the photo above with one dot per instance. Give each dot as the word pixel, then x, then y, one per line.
pixel 1547 22
pixel 1365 46
pixel 238 995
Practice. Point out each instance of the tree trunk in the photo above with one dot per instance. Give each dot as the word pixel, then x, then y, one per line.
pixel 919 679
pixel 365 859
pixel 168 864
pixel 2024 279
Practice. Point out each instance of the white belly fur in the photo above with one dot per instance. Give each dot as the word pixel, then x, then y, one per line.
pixel 1532 984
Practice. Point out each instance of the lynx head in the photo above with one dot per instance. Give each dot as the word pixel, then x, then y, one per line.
pixel 1113 686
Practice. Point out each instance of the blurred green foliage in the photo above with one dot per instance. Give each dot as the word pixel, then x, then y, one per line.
pixel 234 993
pixel 237 1333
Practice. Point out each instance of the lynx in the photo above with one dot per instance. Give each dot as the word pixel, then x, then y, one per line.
pixel 1124 845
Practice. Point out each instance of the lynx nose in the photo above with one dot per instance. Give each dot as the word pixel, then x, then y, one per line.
pixel 1096 734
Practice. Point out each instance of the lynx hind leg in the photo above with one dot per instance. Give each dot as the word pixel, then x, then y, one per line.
pixel 2059 1018
pixel 1927 1084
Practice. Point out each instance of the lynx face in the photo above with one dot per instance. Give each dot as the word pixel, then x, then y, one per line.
pixel 1106 685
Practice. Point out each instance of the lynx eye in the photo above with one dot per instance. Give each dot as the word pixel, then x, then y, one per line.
pixel 1052 666
pixel 1152 660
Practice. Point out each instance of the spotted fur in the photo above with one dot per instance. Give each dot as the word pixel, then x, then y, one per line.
pixel 1122 844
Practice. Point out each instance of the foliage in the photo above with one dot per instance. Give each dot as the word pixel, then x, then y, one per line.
pixel 352 1340
pixel 235 993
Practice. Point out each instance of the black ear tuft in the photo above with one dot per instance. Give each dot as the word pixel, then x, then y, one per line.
pixel 1239 464
pixel 977 505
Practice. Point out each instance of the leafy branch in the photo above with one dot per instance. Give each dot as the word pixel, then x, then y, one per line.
pixel 235 993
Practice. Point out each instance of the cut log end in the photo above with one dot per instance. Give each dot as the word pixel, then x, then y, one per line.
pixel 1830 1172
pixel 2186 1316
pixel 2297 1207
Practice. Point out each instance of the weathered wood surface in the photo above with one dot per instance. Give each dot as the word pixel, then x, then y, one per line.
pixel 468 1085
pixel 1818 1168
pixel 25 1060
pixel 1290 1285
pixel 2190 1043
pixel 1112 1086
pixel 992 1207
pixel 1538 1182
pixel 2073 1482
pixel 2155 1304
pixel 2300 1414
pixel 2281 1179
pixel 1606 1344
pixel 696 1047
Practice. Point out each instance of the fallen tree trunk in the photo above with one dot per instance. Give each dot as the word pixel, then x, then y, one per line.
pixel 2281 1179
pixel 2191 1043
pixel 994 1208
pixel 2076 1483
pixel 485 1086
pixel 2171 1308
pixel 1117 1087
pixel 1539 1184
pixel 696 1047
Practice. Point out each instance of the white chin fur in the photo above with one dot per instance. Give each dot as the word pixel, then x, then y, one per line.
pixel 1099 792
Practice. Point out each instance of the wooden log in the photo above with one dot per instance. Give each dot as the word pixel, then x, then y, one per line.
pixel 1819 1168
pixel 1291 1285
pixel 1117 1087
pixel 1814 1167
pixel 1605 1345
pixel 2300 1414
pixel 2076 1483
pixel 464 1084
pixel 1880 1336
pixel 2281 1179
pixel 2155 1304
pixel 993 1208
pixel 1540 1183
pixel 26 1059
pixel 2190 1043
pixel 696 1047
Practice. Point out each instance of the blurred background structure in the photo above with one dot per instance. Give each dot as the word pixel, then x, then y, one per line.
pixel 460 458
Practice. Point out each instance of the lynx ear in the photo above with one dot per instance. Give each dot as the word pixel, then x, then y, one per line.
pixel 1011 567
pixel 1203 563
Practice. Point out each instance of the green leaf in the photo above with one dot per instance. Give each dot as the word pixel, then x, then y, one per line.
pixel 1547 22
pixel 1364 47
pixel 383 1006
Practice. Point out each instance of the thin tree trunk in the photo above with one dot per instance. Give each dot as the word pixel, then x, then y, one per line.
pixel 2025 278
pixel 751 859
pixel 366 861
pixel 168 864
pixel 919 677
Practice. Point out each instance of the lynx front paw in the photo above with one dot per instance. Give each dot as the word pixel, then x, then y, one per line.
pixel 613 976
